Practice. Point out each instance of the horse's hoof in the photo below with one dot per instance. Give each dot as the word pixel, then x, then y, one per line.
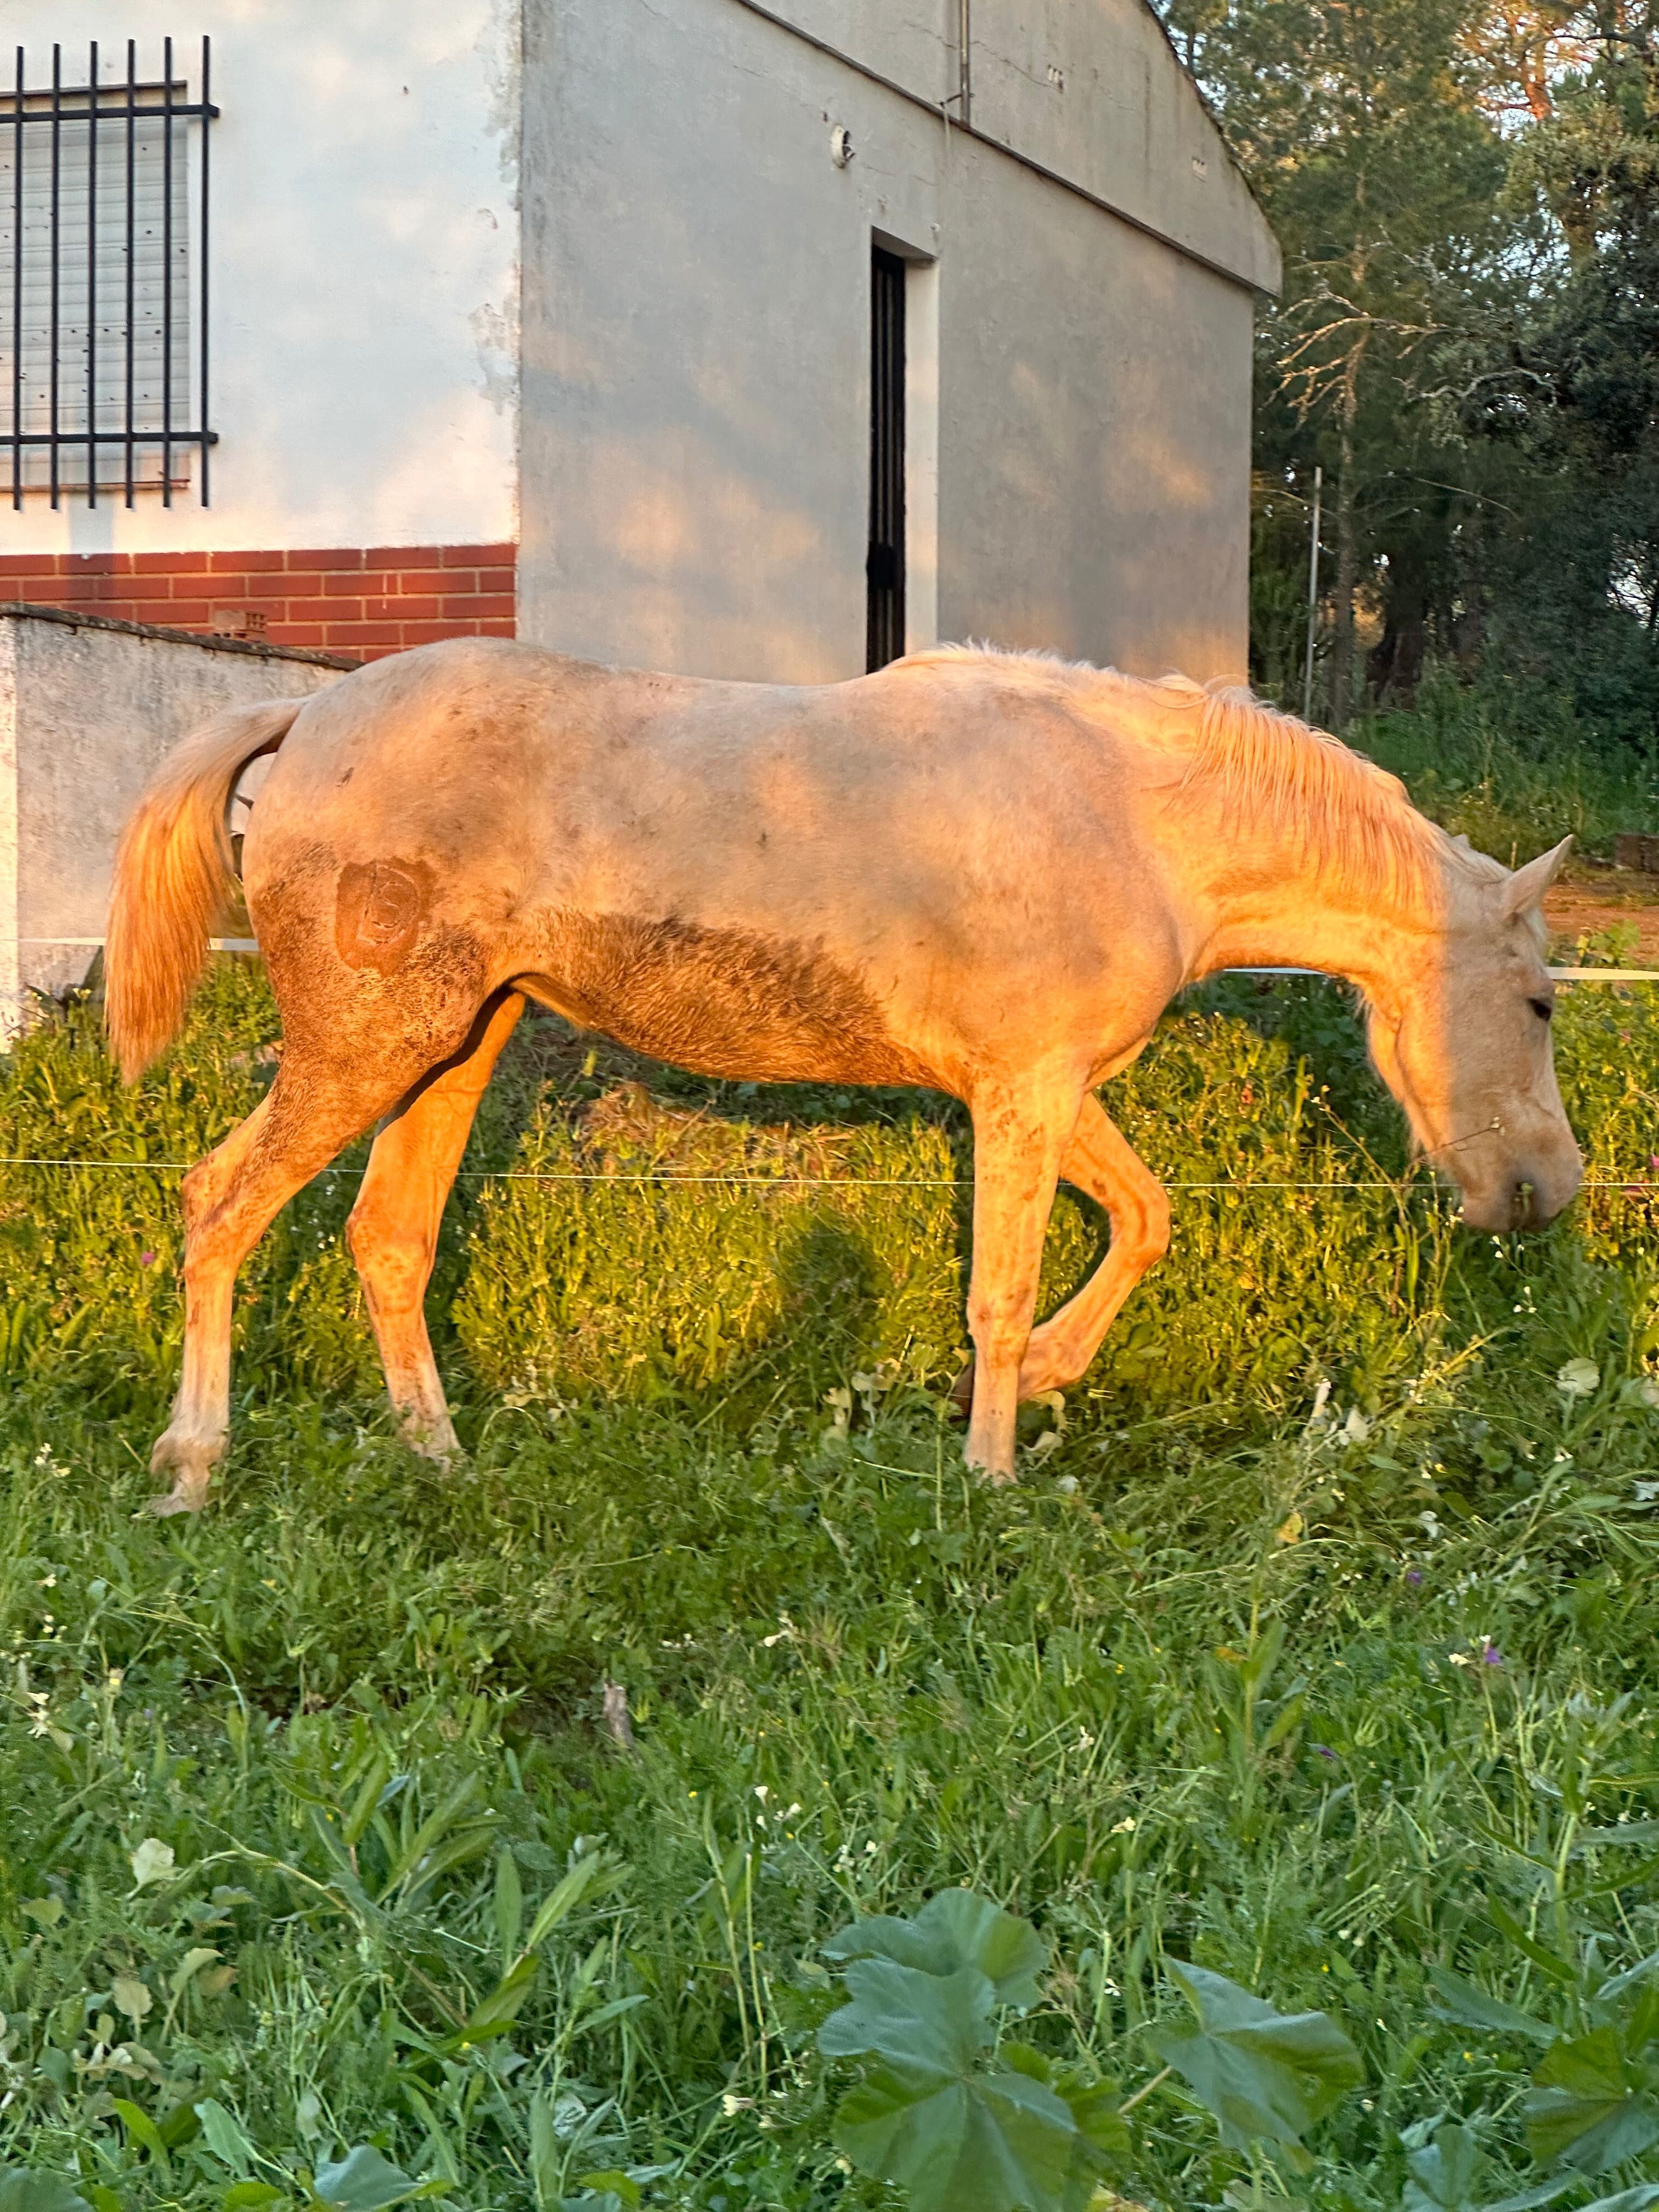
pixel 189 1460
pixel 185 1497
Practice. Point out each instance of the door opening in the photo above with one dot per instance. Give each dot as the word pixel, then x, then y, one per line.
pixel 884 566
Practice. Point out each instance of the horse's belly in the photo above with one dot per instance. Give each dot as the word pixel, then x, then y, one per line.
pixel 720 1001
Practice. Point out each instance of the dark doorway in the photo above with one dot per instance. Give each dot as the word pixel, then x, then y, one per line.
pixel 884 566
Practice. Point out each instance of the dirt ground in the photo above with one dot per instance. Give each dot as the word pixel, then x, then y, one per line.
pixel 1590 901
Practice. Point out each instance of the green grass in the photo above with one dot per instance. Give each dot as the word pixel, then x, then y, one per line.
pixel 1318 1634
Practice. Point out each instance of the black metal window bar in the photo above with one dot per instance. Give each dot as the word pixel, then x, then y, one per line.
pixel 96 298
pixel 883 565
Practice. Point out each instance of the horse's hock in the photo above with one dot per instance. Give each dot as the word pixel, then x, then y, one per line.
pixel 87 707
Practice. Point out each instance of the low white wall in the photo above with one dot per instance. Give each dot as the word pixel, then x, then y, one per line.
pixel 85 711
pixel 364 269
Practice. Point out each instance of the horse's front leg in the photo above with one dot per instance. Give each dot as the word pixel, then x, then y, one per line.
pixel 1019 1139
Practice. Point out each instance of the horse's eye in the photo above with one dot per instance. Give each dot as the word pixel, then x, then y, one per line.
pixel 1542 1007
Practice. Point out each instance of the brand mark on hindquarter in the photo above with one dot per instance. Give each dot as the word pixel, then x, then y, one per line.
pixel 379 911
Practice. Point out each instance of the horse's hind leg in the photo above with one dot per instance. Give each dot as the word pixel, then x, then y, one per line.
pixel 230 1199
pixel 1101 1164
pixel 393 1229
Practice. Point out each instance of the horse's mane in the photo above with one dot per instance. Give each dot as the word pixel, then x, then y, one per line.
pixel 1265 768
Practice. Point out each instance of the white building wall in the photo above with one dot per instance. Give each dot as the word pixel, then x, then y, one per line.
pixel 696 359
pixel 364 270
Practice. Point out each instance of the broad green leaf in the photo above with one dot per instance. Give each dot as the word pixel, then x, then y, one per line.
pixel 955 1929
pixel 1585 2110
pixel 1441 2172
pixel 928 2116
pixel 615 2182
pixel 225 2136
pixel 1627 2200
pixel 1461 2003
pixel 363 2181
pixel 1267 2077
pixel 986 2143
pixel 21 2190
pixel 926 2025
pixel 152 1862
pixel 132 1998
pixel 139 2128
pixel 250 2196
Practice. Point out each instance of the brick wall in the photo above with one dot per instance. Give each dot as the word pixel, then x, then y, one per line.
pixel 344 598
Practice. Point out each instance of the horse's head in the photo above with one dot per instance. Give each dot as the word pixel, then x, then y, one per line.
pixel 1464 1045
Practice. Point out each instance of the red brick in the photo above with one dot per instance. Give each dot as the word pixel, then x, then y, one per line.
pixel 478 606
pixel 260 563
pixel 349 586
pixel 187 614
pixel 497 580
pixel 430 631
pixel 354 634
pixel 98 564
pixel 342 556
pixel 168 565
pixel 403 556
pixel 148 588
pixel 500 626
pixel 296 633
pixel 469 556
pixel 31 564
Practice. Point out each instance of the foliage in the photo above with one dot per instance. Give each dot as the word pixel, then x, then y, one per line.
pixel 1467 192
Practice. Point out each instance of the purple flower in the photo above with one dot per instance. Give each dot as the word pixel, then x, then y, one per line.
pixel 1491 1656
pixel 1324 1751
pixel 1414 1576
pixel 146 1259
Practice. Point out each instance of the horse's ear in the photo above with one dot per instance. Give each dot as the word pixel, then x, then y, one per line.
pixel 1461 842
pixel 1527 885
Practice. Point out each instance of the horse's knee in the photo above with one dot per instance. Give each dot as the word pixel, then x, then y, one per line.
pixel 1152 1239
pixel 393 1255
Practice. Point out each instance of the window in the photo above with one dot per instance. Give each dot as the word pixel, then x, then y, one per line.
pixel 103 281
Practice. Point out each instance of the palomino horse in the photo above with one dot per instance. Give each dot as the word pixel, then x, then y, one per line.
pixel 985 872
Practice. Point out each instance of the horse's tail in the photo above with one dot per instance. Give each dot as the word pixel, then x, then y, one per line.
pixel 173 871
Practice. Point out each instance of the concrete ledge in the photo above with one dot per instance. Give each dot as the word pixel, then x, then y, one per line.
pixel 83 618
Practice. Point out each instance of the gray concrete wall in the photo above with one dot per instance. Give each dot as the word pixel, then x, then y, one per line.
pixel 693 482
pixel 1090 89
pixel 86 708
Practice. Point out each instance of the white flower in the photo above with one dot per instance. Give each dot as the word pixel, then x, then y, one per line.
pixel 1579 1378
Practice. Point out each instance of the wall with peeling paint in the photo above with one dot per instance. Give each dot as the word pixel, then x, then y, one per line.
pixel 364 267
pixel 695 352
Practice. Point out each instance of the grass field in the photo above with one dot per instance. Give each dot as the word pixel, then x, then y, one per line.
pixel 1317 1643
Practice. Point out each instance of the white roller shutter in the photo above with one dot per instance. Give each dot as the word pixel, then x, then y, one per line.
pixel 94 323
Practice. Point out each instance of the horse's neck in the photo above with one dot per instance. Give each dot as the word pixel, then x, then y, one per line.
pixel 1301 916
